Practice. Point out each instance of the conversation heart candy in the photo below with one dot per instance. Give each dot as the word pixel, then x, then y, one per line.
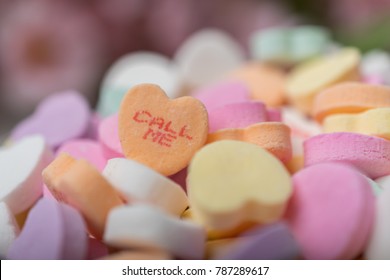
pixel 21 165
pixel 372 122
pixel 272 242
pixel 137 181
pixel 206 56
pixel 133 69
pixel 84 188
pixel 266 83
pixel 144 226
pixel 369 154
pixel 288 45
pixel 9 229
pixel 352 97
pixel 331 211
pixel 255 185
pixel 378 247
pixel 237 115
pixel 307 80
pixel 60 117
pixel 109 137
pixel 161 133
pixel 85 149
pixel 222 93
pixel 376 63
pixel 52 231
pixel 272 136
pixel 383 182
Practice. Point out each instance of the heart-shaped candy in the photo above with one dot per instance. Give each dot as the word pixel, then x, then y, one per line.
pixel 161 133
pixel 9 229
pixel 21 166
pixel 58 118
pixel 232 182
pixel 272 136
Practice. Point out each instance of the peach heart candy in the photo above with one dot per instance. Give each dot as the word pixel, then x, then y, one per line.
pixel 371 155
pixel 109 137
pixel 21 165
pixel 232 182
pixel 58 118
pixel 83 187
pixel 272 136
pixel 373 122
pixel 161 133
pixel 331 211
pixel 237 115
pixel 146 227
pixel 350 98
pixel 137 181
pixel 265 82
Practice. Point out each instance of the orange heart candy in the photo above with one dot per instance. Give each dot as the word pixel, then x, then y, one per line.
pixel 161 133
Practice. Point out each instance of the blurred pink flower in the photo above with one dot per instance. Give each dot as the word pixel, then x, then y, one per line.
pixel 47 46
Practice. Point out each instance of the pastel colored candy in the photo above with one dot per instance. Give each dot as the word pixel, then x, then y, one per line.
pixel 109 137
pixel 375 187
pixel 206 55
pixel 161 133
pixel 94 123
pixel 9 229
pixel 378 247
pixel 237 115
pixel 301 126
pixel 384 182
pixel 85 149
pixel 287 45
pixel 272 136
pixel 58 118
pixel 146 227
pixel 52 231
pixel 350 98
pixel 133 69
pixel 331 211
pixel 222 93
pixel 308 79
pixel 136 181
pixel 373 122
pixel 139 255
pixel 84 188
pixel 376 63
pixel 274 115
pixel 255 185
pixel 265 82
pixel 21 165
pixel 371 155
pixel 272 242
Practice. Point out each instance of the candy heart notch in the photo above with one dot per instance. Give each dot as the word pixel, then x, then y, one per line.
pixel 161 133
pixel 272 136
pixel 60 117
pixel 21 166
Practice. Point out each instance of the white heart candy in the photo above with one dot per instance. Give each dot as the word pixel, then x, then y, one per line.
pixel 9 229
pixel 21 166
pixel 135 180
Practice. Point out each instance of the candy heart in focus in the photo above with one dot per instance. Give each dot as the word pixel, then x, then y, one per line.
pixel 60 117
pixel 161 133
pixel 21 166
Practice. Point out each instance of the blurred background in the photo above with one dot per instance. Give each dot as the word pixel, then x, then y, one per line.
pixel 50 45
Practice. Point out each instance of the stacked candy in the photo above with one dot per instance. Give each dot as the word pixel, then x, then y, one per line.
pixel 237 169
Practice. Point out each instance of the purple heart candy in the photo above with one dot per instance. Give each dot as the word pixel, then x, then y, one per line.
pixel 60 117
